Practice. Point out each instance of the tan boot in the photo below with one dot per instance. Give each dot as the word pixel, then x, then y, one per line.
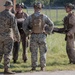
pixel 42 68
pixel 8 72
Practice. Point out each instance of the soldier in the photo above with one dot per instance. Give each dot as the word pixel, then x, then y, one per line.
pixel 35 25
pixel 69 30
pixel 20 16
pixel 7 27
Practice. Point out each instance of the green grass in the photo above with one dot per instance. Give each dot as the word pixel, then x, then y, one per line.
pixel 56 56
pixel 52 13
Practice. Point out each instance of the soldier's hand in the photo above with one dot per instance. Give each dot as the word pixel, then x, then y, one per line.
pixel 70 35
pixel 17 39
pixel 55 30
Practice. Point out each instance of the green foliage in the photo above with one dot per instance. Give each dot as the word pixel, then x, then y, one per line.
pixel 63 2
pixel 46 2
pixel 18 1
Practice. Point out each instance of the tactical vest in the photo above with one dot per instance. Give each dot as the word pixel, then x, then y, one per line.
pixel 37 24
pixel 67 26
pixel 20 15
pixel 19 23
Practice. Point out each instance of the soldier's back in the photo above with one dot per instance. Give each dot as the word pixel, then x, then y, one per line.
pixel 5 24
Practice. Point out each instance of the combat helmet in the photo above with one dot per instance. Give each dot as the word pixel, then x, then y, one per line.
pixel 38 5
pixel 8 3
pixel 20 5
pixel 69 5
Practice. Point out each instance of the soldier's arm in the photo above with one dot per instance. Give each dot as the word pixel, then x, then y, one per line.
pixel 15 29
pixel 49 22
pixel 27 15
pixel 58 30
pixel 25 26
pixel 72 22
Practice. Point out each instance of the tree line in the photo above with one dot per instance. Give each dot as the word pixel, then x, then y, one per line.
pixel 47 2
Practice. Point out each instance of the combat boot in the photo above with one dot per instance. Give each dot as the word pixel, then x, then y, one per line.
pixel 14 61
pixel 25 60
pixel 42 68
pixel 33 69
pixel 71 62
pixel 8 72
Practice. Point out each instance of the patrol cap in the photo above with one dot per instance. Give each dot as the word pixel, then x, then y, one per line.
pixel 8 3
pixel 38 5
pixel 20 5
pixel 69 5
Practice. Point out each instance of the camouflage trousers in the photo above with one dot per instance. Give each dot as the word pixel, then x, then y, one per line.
pixel 38 41
pixel 70 48
pixel 6 50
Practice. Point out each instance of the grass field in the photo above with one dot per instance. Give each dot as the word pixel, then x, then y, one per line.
pixel 56 56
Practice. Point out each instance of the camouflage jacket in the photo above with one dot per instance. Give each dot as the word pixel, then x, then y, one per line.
pixel 72 22
pixel 8 25
pixel 27 25
pixel 20 17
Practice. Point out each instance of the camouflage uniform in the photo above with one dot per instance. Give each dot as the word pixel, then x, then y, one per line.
pixel 69 30
pixel 7 27
pixel 70 44
pixel 38 36
pixel 20 18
